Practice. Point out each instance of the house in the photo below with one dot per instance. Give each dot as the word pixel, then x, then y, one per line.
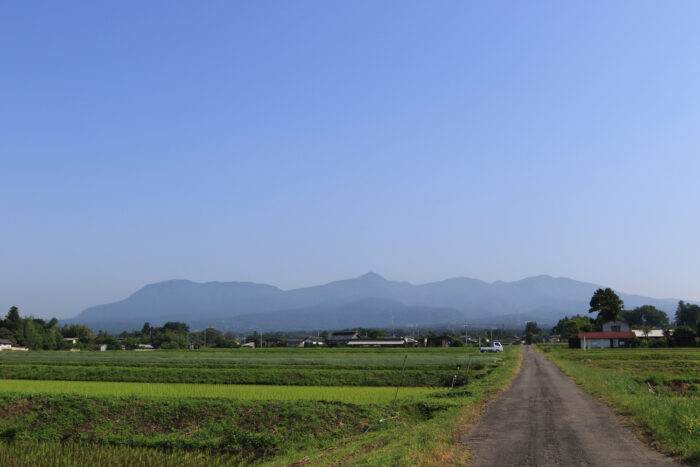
pixel 616 326
pixel 384 342
pixel 6 344
pixel 314 341
pixel 308 341
pixel 248 345
pixel 436 341
pixel 343 337
pixel 615 334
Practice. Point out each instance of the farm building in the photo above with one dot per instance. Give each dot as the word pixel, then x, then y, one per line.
pixel 652 334
pixel 307 341
pixel 615 334
pixel 5 344
pixel 384 342
pixel 315 341
pixel 343 337
pixel 436 341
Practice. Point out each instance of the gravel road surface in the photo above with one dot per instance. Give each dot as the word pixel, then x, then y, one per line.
pixel 545 419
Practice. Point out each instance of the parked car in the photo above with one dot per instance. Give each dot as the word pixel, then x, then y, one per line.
pixel 496 347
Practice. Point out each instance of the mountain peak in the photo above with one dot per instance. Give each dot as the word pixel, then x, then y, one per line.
pixel 373 276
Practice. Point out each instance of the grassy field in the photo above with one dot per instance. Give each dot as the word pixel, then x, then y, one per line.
pixel 342 357
pixel 656 389
pixel 136 420
pixel 295 367
pixel 352 395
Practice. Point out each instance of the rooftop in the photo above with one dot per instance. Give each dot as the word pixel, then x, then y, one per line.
pixel 607 335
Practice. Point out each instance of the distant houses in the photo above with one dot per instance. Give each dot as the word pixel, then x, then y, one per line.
pixel 343 337
pixel 308 341
pixel 354 340
pixel 384 342
pixel 6 344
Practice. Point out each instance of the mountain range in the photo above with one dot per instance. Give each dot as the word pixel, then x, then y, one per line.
pixel 365 301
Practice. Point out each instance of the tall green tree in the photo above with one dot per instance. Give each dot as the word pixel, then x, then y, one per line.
pixel 12 320
pixel 577 324
pixel 533 333
pixel 607 304
pixel 687 314
pixel 645 315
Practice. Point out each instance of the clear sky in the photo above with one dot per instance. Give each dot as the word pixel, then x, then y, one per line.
pixel 299 142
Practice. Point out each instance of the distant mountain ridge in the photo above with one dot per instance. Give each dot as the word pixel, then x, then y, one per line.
pixel 365 301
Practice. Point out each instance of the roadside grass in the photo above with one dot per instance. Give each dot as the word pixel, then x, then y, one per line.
pixel 646 386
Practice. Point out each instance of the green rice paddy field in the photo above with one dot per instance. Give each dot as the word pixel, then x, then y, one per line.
pixel 306 406
pixel 656 389
pixel 352 395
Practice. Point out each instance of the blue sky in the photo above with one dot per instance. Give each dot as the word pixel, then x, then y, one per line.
pixel 296 143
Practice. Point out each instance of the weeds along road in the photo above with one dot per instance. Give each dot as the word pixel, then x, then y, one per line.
pixel 545 419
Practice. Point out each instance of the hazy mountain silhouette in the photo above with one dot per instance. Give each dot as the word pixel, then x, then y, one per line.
pixel 367 301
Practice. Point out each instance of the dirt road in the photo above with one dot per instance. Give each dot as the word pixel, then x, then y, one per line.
pixel 545 419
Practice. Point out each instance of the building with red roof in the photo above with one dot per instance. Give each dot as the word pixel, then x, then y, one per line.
pixel 615 334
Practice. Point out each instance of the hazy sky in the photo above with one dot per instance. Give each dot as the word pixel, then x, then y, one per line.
pixel 299 142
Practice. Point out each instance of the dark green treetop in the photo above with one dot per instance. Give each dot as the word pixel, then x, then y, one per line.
pixel 607 304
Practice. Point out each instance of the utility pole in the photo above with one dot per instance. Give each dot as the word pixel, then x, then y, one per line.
pixel 261 338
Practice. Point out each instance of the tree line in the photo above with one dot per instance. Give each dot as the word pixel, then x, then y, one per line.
pixel 38 334
pixel 609 307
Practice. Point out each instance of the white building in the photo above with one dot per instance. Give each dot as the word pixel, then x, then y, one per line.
pixel 615 334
